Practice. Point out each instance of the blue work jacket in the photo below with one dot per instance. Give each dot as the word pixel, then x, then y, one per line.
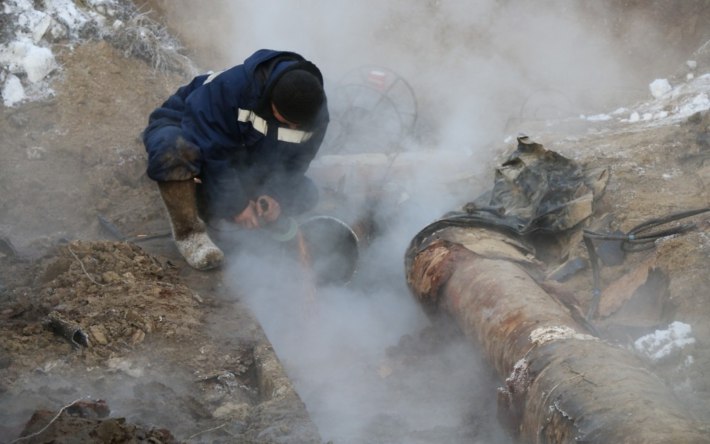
pixel 234 144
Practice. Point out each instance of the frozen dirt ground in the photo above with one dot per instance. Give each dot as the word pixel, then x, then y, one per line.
pixel 146 316
pixel 179 355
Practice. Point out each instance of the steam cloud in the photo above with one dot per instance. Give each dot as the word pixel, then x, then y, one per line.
pixel 475 66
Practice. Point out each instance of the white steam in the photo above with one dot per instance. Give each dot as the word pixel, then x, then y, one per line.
pixel 333 345
pixel 474 64
pixel 475 67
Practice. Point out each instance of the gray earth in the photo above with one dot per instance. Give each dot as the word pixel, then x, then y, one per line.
pixel 168 354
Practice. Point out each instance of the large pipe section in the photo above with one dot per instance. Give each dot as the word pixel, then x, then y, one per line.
pixel 562 384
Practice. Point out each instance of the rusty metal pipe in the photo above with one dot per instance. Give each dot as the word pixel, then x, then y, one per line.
pixel 562 384
pixel 71 331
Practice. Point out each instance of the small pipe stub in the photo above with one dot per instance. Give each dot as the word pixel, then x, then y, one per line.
pixel 70 331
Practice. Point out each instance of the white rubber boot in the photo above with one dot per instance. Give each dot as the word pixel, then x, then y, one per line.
pixel 189 232
pixel 199 251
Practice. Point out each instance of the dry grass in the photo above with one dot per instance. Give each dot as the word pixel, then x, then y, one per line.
pixel 144 38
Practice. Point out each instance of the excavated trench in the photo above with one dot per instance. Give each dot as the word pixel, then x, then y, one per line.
pixel 240 355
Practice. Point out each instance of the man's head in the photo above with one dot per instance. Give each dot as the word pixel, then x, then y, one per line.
pixel 298 97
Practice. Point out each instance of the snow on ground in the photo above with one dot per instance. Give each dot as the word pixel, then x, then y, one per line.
pixel 662 343
pixel 27 59
pixel 670 103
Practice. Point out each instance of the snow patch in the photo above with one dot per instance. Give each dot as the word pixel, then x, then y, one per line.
pixel 597 117
pixel 697 103
pixel 24 57
pixel 661 343
pixel 670 104
pixel 659 88
pixel 37 26
pixel 66 13
pixel 27 60
pixel 12 91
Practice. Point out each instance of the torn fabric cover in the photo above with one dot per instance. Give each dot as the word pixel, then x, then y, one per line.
pixel 535 191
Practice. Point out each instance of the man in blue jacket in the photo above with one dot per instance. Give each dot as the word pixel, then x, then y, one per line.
pixel 235 145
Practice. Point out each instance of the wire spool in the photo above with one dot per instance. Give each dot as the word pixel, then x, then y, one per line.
pixel 372 109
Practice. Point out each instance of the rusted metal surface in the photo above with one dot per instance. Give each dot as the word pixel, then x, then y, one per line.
pixel 71 331
pixel 562 384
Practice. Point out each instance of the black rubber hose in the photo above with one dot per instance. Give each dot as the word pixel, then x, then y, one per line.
pixel 635 240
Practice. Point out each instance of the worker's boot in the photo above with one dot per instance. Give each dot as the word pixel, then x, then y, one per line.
pixel 189 230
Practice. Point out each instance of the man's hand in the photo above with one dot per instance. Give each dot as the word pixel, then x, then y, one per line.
pixel 248 218
pixel 256 214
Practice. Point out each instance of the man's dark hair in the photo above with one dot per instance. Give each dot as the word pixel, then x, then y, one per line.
pixel 298 96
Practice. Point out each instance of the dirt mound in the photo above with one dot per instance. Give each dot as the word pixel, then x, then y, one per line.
pixel 82 282
pixel 110 319
pixel 84 421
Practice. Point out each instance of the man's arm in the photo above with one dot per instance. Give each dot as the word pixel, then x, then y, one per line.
pixel 209 121
pixel 288 184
